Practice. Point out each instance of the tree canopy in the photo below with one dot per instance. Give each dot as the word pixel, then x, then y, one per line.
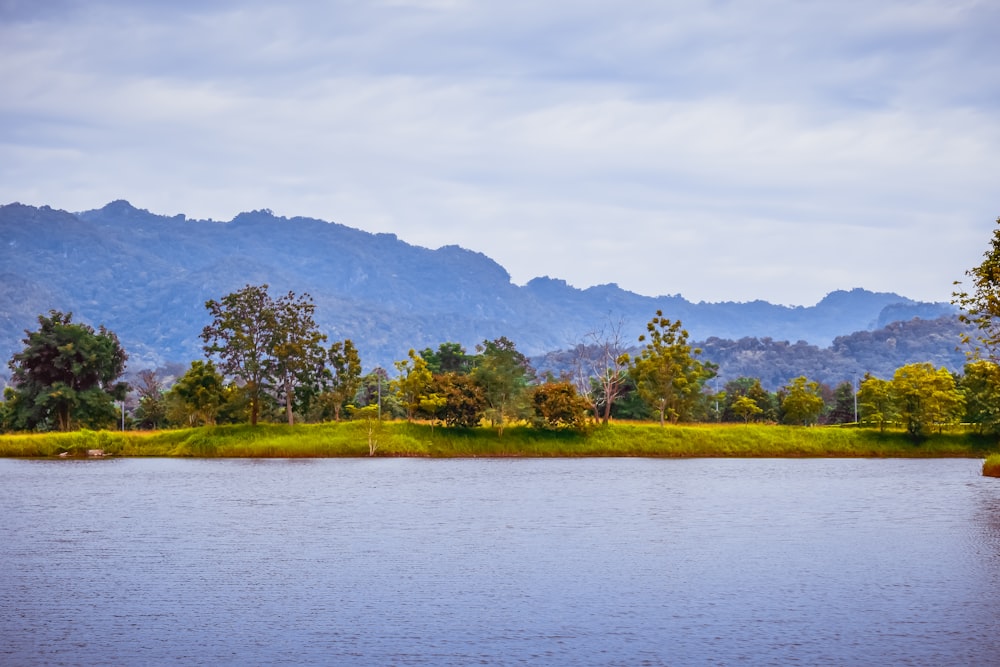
pixel 66 376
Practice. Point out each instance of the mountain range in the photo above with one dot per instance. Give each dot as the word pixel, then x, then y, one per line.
pixel 147 277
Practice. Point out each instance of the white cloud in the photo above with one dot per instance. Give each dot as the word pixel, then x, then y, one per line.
pixel 777 150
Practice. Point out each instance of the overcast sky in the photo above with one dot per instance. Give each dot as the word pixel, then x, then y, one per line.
pixel 724 151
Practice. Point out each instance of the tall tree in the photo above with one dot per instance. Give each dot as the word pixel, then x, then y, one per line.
pixel 600 371
pixel 413 383
pixel 269 345
pixel 297 348
pixel 980 303
pixel 344 365
pixel 241 335
pixel 152 410
pixel 668 376
pixel 449 358
pixel 503 373
pixel 67 374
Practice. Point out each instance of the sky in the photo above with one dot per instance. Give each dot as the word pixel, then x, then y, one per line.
pixel 720 150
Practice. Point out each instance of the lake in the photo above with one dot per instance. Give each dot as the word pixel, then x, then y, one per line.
pixel 499 562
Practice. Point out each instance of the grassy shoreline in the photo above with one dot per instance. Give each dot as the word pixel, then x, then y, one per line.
pixel 350 439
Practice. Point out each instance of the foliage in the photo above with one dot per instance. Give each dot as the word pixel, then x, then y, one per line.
pixel 746 408
pixel 667 375
pixel 464 401
pixel 269 345
pixel 200 394
pixel 925 397
pixel 801 402
pixel 875 401
pixel 558 405
pixel 344 377
pixel 980 384
pixel 297 348
pixel 981 304
pixel 449 358
pixel 66 375
pixel 413 383
pixel 152 410
pixel 503 374
pixel 843 408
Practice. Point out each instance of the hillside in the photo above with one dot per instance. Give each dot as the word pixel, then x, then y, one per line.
pixel 147 276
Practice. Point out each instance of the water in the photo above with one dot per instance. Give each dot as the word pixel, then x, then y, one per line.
pixel 499 562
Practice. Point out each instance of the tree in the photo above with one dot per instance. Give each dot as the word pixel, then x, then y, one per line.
pixel 67 374
pixel 601 369
pixel 981 305
pixel 413 383
pixel 269 345
pixel 241 335
pixel 745 408
pixel 152 410
pixel 980 384
pixel 844 400
pixel 801 401
pixel 925 397
pixel 667 375
pixel 344 365
pixel 297 348
pixel 875 401
pixel 200 393
pixel 558 405
pixel 503 374
pixel 449 358
pixel 464 402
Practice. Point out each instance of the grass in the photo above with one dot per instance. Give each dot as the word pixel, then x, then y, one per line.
pixel 351 439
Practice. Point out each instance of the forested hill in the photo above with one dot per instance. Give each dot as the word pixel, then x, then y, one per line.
pixel 147 277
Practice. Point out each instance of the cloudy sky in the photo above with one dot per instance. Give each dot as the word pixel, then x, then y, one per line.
pixel 774 149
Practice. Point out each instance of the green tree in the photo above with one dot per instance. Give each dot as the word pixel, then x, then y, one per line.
pixel 297 349
pixel 413 383
pixel 842 410
pixel 199 394
pixel 66 375
pixel 667 375
pixel 241 335
pixel 875 401
pixel 750 388
pixel 558 405
pixel 801 401
pixel 925 397
pixel 745 408
pixel 980 384
pixel 271 346
pixel 503 373
pixel 344 366
pixel 449 358
pixel 981 303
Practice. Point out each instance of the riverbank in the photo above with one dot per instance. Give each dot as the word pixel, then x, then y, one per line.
pixel 352 439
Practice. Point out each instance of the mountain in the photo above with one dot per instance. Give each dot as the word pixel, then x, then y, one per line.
pixel 147 277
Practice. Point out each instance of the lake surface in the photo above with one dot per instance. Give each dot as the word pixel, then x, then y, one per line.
pixel 499 562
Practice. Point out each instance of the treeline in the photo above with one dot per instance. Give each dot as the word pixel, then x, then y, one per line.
pixel 265 359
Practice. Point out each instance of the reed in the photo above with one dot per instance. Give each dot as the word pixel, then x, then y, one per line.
pixel 351 439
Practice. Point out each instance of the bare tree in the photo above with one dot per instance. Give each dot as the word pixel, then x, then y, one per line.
pixel 601 368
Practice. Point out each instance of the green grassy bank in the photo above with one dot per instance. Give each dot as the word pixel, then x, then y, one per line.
pixel 351 439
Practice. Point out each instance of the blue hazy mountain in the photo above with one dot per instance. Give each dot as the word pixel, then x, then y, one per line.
pixel 147 277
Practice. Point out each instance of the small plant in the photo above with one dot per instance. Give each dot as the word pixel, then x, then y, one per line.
pixel 991 466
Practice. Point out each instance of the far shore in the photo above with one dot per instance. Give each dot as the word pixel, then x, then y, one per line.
pixel 400 439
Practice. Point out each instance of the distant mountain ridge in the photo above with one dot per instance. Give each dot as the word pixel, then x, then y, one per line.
pixel 147 277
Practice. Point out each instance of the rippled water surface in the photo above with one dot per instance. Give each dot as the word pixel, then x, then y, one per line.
pixel 463 562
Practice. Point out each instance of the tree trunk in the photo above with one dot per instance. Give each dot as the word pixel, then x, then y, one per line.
pixel 288 401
